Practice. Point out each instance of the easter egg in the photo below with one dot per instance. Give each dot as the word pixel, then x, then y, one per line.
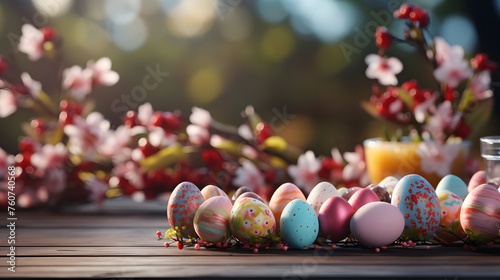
pixel 342 191
pixel 453 184
pixel 416 199
pixel 299 224
pixel 350 192
pixel 211 191
pixel 477 179
pixel 334 217
pixel 377 224
pixel 381 192
pixel 450 230
pixel 389 183
pixel 211 221
pixel 250 194
pixel 362 197
pixel 320 193
pixel 282 196
pixel 182 205
pixel 480 214
pixel 240 191
pixel 251 220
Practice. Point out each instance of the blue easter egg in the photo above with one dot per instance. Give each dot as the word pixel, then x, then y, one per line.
pixel 416 199
pixel 453 184
pixel 182 205
pixel 299 224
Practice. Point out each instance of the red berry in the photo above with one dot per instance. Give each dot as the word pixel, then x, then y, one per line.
pixel 263 131
pixel 481 62
pixel 20 89
pixel 27 145
pixel 270 176
pixel 390 105
pixel 462 129
pixel 3 66
pixel 146 147
pixel 180 246
pixel 420 17
pixel 409 85
pixel 157 119
pixel 158 233
pixel 197 247
pixel 166 244
pixel 172 122
pixel 212 158
pixel 130 120
pixel 48 33
pixel 255 250
pixel 403 11
pixel 382 37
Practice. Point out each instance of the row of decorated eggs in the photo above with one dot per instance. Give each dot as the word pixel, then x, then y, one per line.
pixel 423 212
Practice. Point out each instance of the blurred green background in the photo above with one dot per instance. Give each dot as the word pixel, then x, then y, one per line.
pixel 300 63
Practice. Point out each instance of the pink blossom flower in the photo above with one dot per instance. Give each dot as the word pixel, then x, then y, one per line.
pixel 97 190
pixel 145 114
pixel 423 108
pixel 245 132
pixel 452 66
pixel 480 85
pixel 383 69
pixel 305 173
pixel 249 175
pixel 436 157
pixel 445 53
pixel 440 121
pixel 8 103
pixel 130 171
pixel 34 87
pixel 355 170
pixel 31 42
pixel 200 117
pixel 49 157
pixel 158 137
pixel 102 73
pixel 78 81
pixel 53 183
pixel 452 72
pixel 197 134
pixel 115 141
pixel 85 136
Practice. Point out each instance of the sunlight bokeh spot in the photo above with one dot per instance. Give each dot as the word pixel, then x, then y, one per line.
pixel 277 43
pixel 205 85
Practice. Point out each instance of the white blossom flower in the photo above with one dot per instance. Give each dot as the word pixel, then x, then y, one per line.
pixel 421 109
pixel 102 73
pixel 8 103
pixel 248 175
pixel 78 81
pixel 53 183
pixel 440 121
pixel 452 72
pixel 437 158
pixel 355 170
pixel 34 87
pixel 305 173
pixel 480 85
pixel 200 117
pixel 49 157
pixel 85 136
pixel 31 42
pixel 446 53
pixel 115 141
pixel 383 69
pixel 197 134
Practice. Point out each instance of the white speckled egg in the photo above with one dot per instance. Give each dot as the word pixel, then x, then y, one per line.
pixel 299 224
pixel 320 193
pixel 377 224
pixel 453 184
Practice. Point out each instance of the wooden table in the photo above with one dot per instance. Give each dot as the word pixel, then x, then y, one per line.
pixel 119 241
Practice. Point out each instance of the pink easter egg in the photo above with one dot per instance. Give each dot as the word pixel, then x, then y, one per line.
pixel 282 196
pixel 334 218
pixel 362 197
pixel 477 179
pixel 480 213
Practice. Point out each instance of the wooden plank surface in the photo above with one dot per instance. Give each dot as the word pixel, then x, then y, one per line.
pixel 123 244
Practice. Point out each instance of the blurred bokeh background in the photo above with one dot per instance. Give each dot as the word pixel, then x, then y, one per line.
pixel 300 63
